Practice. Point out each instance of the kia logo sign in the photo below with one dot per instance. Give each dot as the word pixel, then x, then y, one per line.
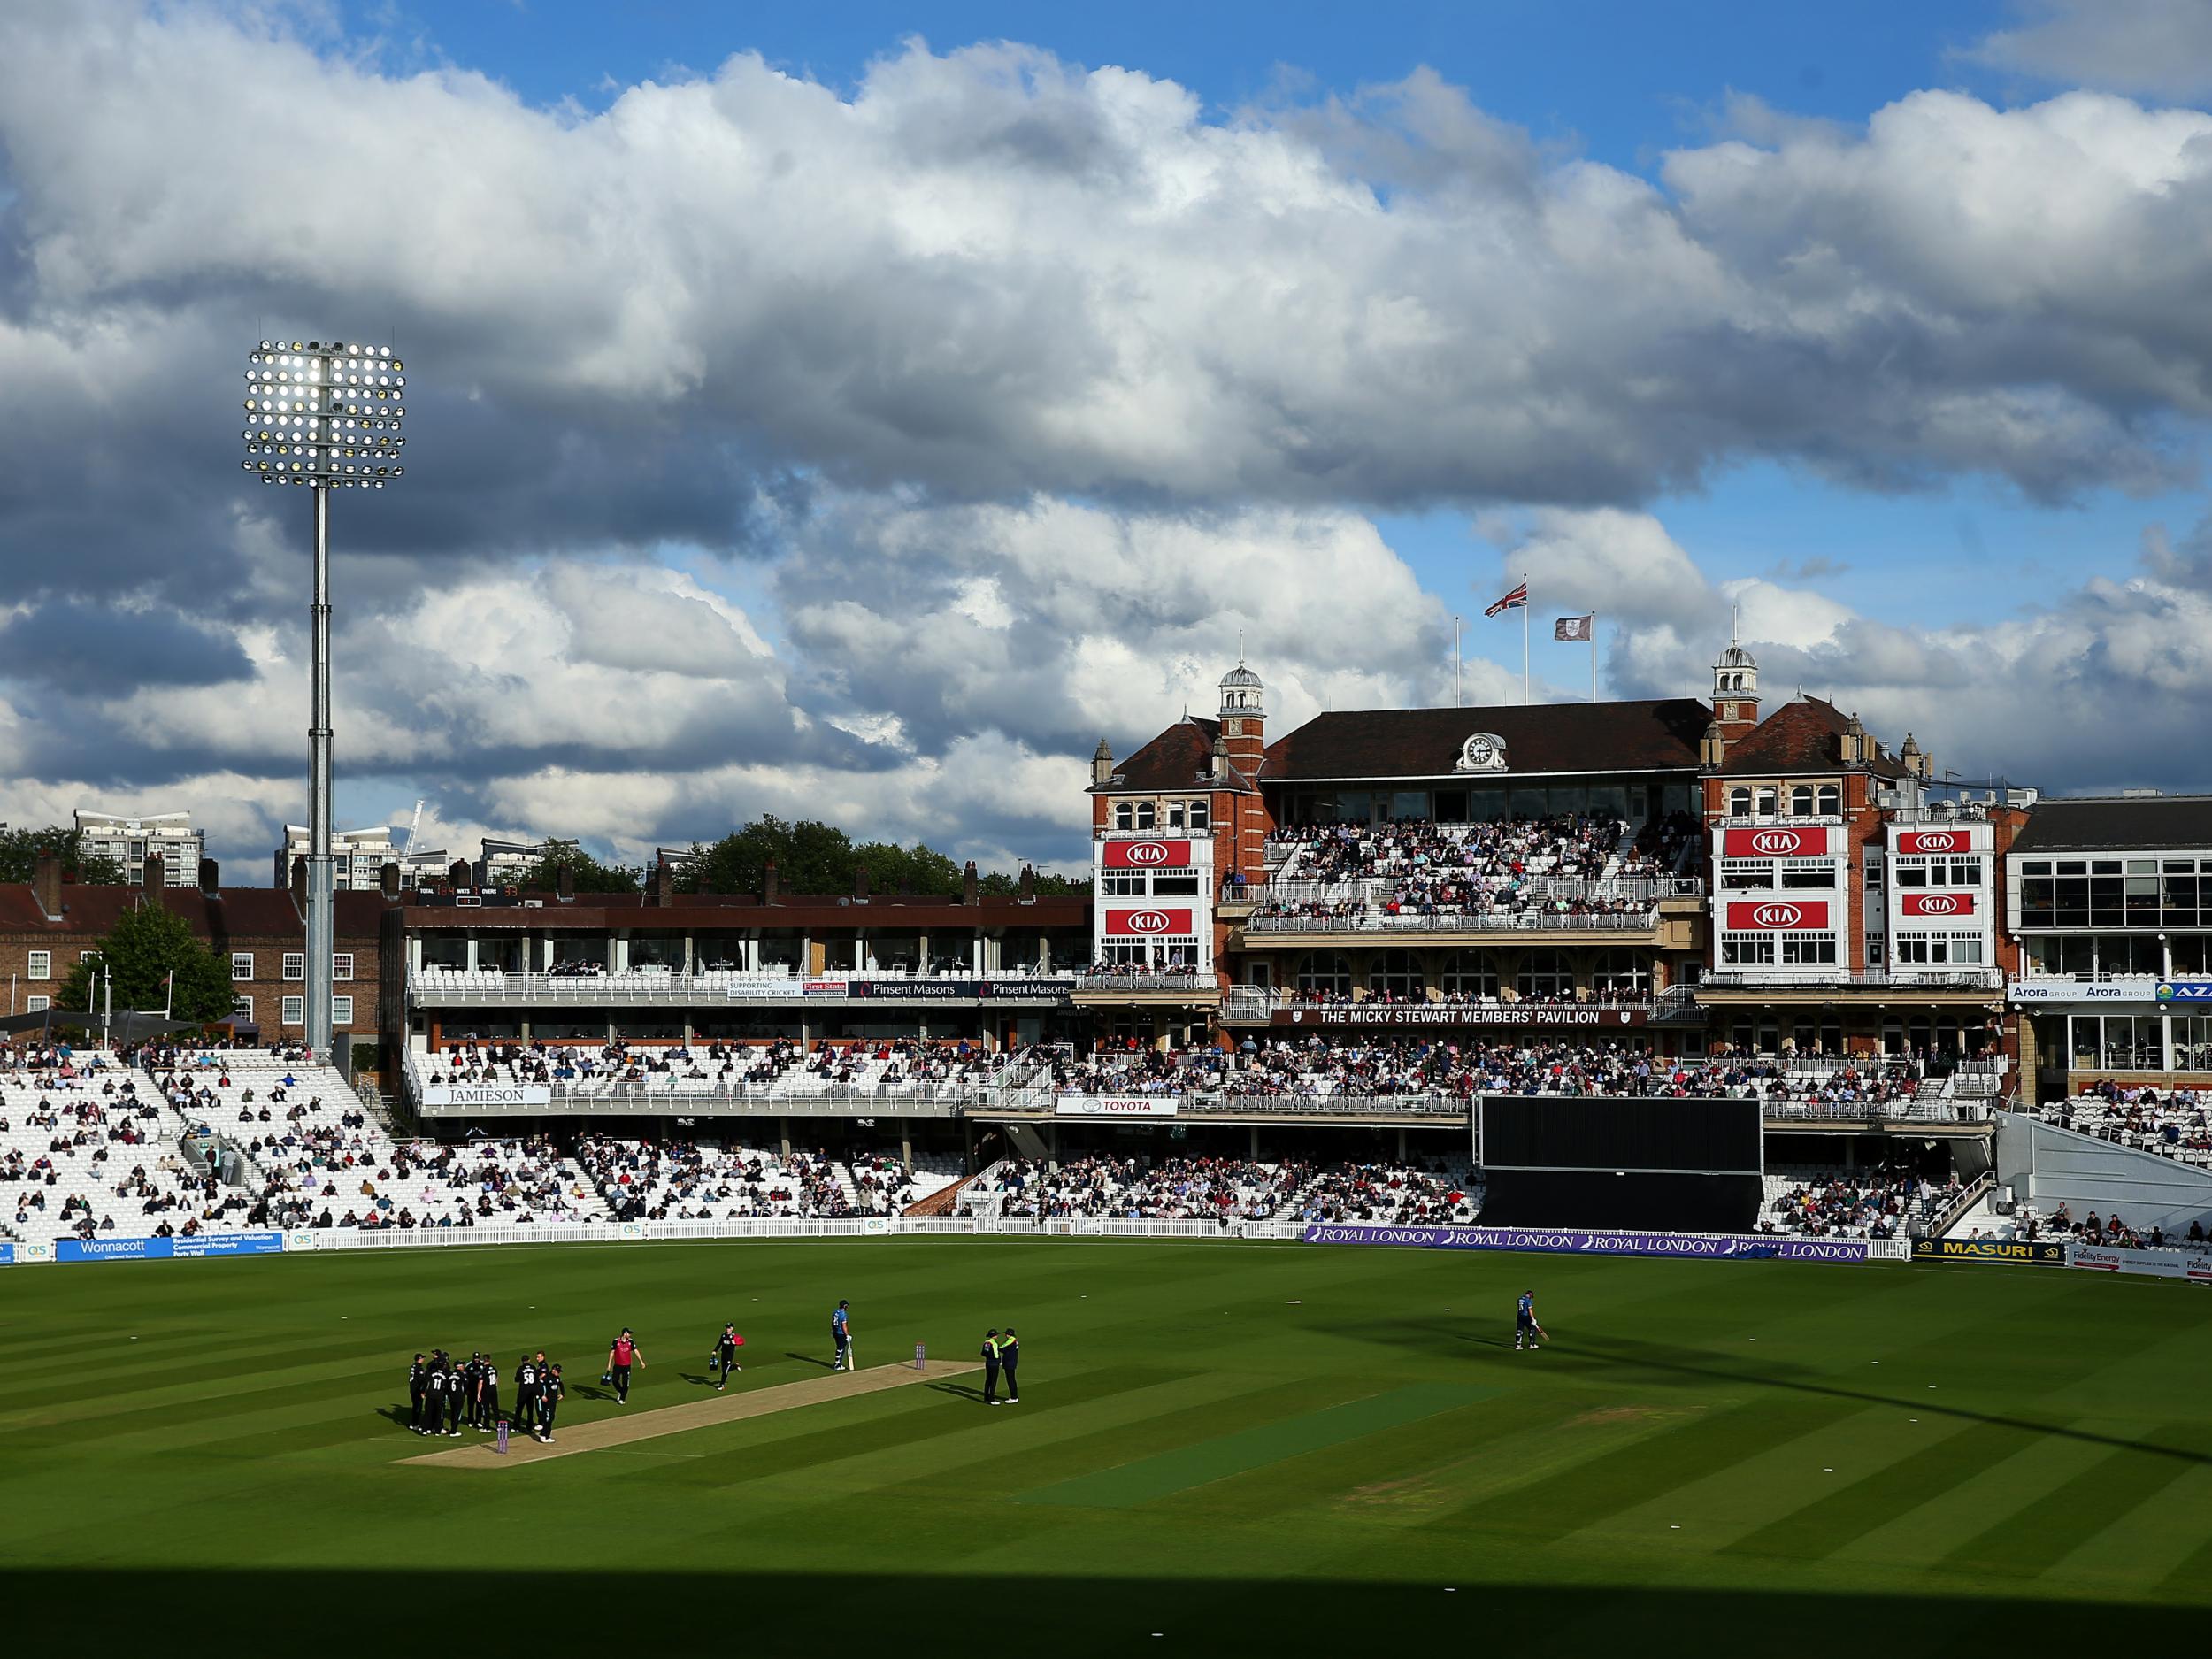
pixel 1774 842
pixel 1932 841
pixel 1166 854
pixel 1147 852
pixel 1148 924
pixel 1769 915
pixel 1939 904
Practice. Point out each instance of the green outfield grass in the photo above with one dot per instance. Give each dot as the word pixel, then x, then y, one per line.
pixel 1239 1446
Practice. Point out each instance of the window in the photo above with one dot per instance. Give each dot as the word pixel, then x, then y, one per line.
pixel 1801 801
pixel 295 966
pixel 241 1008
pixel 1546 974
pixel 1199 818
pixel 1831 801
pixel 242 967
pixel 1740 952
pixel 342 965
pixel 341 1011
pixel 38 965
pixel 36 1004
pixel 1805 950
pixel 1396 974
pixel 1935 949
pixel 294 1010
pixel 1124 815
pixel 1325 973
pixel 1739 875
pixel 1765 795
pixel 1470 974
pixel 1122 885
pixel 1622 973
pixel 1740 803
pixel 1175 887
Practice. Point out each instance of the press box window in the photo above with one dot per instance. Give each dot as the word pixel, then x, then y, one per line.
pixel 341 1011
pixel 342 965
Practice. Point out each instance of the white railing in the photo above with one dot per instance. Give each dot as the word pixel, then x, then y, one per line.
pixel 1455 921
pixel 1145 979
pixel 1911 1112
pixel 1899 978
pixel 479 987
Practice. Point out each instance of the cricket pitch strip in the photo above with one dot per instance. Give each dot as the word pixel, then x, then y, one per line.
pixel 697 1413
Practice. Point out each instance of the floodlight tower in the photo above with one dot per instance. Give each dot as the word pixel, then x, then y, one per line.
pixel 324 414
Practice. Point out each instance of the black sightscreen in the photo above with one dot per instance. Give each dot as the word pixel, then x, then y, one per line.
pixel 1633 1204
pixel 1610 1134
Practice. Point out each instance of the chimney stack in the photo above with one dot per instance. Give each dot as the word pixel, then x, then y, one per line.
pixel 664 883
pixel 1029 884
pixel 299 884
pixel 768 883
pixel 210 879
pixel 1103 763
pixel 860 882
pixel 968 893
pixel 388 882
pixel 565 888
pixel 155 876
pixel 46 884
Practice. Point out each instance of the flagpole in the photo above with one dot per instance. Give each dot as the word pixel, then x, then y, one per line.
pixel 1593 656
pixel 1459 656
pixel 1526 604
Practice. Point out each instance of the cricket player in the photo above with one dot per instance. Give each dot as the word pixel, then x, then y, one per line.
pixel 842 1333
pixel 724 1360
pixel 435 1383
pixel 487 1396
pixel 990 1366
pixel 457 1398
pixel 1009 1355
pixel 621 1355
pixel 525 1393
pixel 418 1384
pixel 549 1393
pixel 1525 1325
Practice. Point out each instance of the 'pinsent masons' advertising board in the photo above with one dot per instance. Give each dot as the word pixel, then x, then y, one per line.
pixel 1576 1241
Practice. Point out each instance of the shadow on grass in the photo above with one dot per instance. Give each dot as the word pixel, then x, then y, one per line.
pixel 1616 1359
pixel 809 1359
pixel 961 1389
pixel 100 1610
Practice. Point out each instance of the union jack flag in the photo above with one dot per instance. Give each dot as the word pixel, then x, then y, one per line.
pixel 1513 600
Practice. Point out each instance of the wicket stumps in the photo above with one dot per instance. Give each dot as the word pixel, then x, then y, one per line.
pixel 921 1356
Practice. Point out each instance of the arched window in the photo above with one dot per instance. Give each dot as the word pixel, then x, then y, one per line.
pixel 1830 800
pixel 1545 975
pixel 1801 801
pixel 1470 974
pixel 1624 975
pixel 1325 973
pixel 1740 802
pixel 1765 808
pixel 1396 974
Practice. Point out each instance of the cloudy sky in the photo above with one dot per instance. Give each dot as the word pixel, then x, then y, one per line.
pixel 859 417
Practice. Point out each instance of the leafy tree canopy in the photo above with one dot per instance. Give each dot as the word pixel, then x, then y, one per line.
pixel 812 857
pixel 146 946
pixel 591 876
pixel 20 849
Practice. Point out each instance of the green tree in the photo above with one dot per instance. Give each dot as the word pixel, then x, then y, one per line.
pixel 591 876
pixel 147 945
pixel 21 848
pixel 812 857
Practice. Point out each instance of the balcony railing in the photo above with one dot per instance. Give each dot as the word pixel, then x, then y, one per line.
pixel 1896 1112
pixel 1882 979
pixel 1145 979
pixel 1457 922
pixel 651 986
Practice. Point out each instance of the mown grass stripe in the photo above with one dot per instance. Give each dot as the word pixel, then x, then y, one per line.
pixel 2023 1544
pixel 1149 1479
pixel 1548 1509
pixel 1832 1517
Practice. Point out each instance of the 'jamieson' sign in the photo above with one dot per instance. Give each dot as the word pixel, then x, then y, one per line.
pixel 1574 1241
